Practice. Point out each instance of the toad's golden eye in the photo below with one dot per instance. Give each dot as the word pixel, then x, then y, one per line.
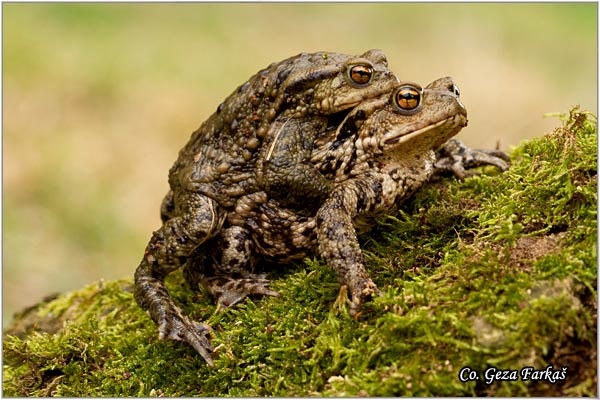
pixel 360 74
pixel 408 98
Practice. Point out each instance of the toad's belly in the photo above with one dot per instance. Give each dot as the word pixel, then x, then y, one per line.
pixel 281 235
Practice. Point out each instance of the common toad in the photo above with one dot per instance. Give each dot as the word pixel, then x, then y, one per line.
pixel 217 168
pixel 304 179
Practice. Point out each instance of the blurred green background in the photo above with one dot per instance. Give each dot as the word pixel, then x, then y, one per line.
pixel 99 98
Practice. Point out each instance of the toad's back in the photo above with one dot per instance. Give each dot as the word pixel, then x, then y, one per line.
pixel 219 159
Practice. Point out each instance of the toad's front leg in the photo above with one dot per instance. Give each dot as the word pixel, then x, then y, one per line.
pixel 457 158
pixel 167 251
pixel 286 172
pixel 338 242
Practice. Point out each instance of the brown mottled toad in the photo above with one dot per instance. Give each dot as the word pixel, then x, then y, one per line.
pixel 373 159
pixel 220 168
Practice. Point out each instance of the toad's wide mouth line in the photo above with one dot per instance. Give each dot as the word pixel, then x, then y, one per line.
pixel 396 137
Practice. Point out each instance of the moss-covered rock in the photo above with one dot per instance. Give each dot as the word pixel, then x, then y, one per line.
pixel 496 273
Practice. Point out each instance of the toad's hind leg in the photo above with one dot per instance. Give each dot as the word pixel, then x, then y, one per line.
pixel 229 290
pixel 168 249
pixel 228 273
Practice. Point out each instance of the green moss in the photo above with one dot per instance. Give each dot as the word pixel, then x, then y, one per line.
pixel 496 271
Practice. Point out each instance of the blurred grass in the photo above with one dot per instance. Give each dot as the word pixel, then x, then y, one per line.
pixel 98 99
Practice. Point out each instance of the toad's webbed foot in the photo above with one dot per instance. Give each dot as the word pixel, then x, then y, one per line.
pixel 228 290
pixel 179 327
pixel 366 290
pixel 225 269
pixel 152 295
pixel 456 158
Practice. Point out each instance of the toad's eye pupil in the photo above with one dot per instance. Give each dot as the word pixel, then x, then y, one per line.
pixel 361 74
pixel 408 98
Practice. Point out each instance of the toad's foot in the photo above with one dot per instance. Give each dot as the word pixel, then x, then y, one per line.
pixel 455 157
pixel 180 327
pixel 365 290
pixel 228 290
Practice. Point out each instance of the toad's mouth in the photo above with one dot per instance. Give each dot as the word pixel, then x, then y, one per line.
pixel 445 127
pixel 348 104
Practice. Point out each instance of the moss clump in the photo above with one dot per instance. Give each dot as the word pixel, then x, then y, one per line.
pixel 496 271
